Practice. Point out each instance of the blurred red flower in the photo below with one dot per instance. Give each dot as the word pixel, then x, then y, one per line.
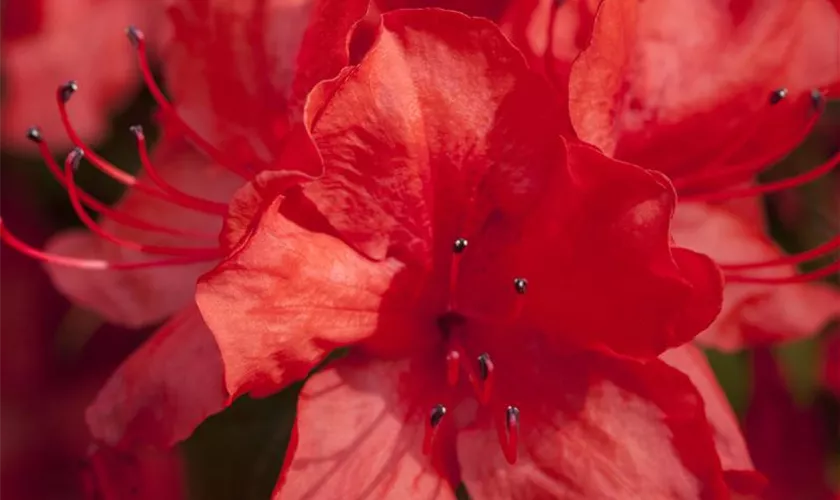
pixel 710 104
pixel 499 285
pixel 51 41
pixel 238 73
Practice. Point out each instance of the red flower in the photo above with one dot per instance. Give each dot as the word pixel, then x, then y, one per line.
pixel 499 286
pixel 140 263
pixel 50 41
pixel 710 104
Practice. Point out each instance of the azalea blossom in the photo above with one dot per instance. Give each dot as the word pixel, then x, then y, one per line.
pixel 505 292
pixel 51 41
pixel 138 264
pixel 710 104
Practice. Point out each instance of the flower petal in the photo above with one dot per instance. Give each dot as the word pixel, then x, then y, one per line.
pixel 288 296
pixel 146 296
pixel 360 434
pixel 239 70
pixel 752 313
pixel 655 91
pixel 598 428
pixel 164 390
pixel 731 447
pixel 404 147
pixel 595 249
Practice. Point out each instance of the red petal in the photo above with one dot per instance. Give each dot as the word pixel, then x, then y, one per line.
pixel 68 41
pixel 491 9
pixel 239 70
pixel 145 475
pixel 595 248
pixel 404 147
pixel 149 295
pixel 164 390
pixel 787 441
pixel 288 296
pixel 595 428
pixel 359 433
pixel 673 96
pixel 731 448
pixel 752 313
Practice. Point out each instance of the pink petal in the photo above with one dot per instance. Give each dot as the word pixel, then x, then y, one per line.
pixel 358 435
pixel 163 390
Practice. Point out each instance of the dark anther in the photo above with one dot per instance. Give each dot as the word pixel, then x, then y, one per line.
pixel 777 95
pixel 521 285
pixel 817 98
pixel 34 134
pixel 137 130
pixel 68 89
pixel 75 158
pixel 134 36
pixel 460 245
pixel 512 417
pixel 436 415
pixel 483 368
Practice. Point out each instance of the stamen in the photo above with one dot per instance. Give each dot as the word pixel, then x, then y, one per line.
pixel 104 165
pixel 34 134
pixel 88 264
pixel 184 199
pixel 511 443
pixel 435 418
pixel 70 166
pixel 520 285
pixel 138 41
pixel 486 377
pixel 771 187
pixel 830 269
pixel 778 95
pixel 458 248
pixel 749 167
pixel 817 99
pixel 814 253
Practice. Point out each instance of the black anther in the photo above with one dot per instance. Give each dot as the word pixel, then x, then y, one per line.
pixel 777 95
pixel 67 90
pixel 460 245
pixel 34 134
pixel 436 415
pixel 520 285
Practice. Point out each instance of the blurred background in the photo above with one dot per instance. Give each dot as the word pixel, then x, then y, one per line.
pixel 54 356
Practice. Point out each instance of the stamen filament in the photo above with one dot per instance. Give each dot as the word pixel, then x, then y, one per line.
pixel 117 216
pixel 814 253
pixel 184 199
pixel 70 165
pixel 453 367
pixel 771 187
pixel 88 264
pixel 432 425
pixel 138 40
pixel 830 269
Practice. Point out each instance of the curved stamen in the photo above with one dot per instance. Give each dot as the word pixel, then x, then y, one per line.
pixel 435 417
pixel 509 434
pixel 88 264
pixel 486 370
pixel 138 40
pixel 811 254
pixel 70 166
pixel 829 270
pixel 771 187
pixel 123 218
pixel 716 172
pixel 184 199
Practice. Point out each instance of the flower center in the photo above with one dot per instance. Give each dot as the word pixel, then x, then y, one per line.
pixel 479 368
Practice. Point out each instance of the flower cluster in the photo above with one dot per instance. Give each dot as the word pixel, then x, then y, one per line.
pixel 489 236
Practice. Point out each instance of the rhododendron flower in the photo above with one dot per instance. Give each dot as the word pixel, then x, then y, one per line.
pixel 710 104
pixel 50 41
pixel 505 292
pixel 139 264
